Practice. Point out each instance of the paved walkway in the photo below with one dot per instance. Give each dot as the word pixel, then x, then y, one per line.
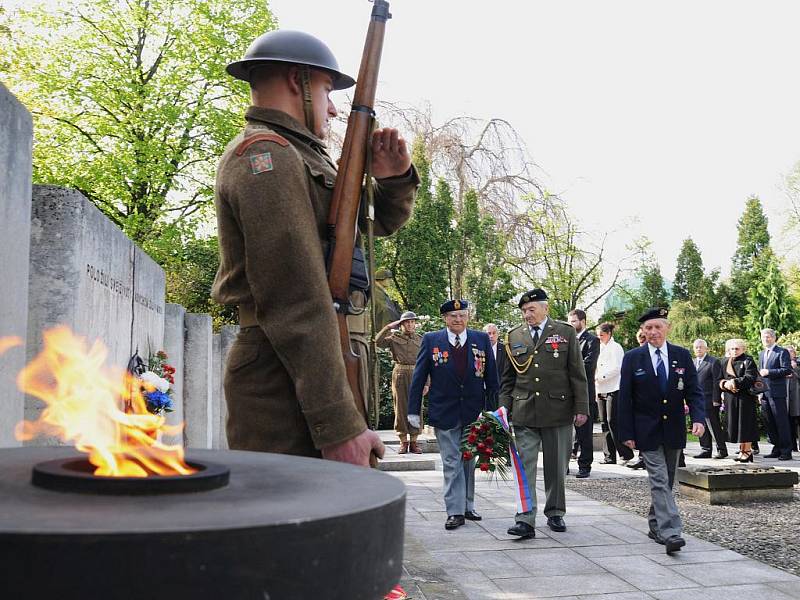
pixel 604 554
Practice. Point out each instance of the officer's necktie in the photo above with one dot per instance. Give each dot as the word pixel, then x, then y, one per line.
pixel 457 343
pixel 661 371
pixel 535 335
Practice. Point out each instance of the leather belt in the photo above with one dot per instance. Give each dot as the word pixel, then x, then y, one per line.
pixel 247 315
pixel 403 367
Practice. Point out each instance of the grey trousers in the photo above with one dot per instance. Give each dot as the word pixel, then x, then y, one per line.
pixel 555 444
pixel 459 474
pixel 663 517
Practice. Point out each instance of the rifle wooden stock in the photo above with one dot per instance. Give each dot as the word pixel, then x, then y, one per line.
pixel 343 216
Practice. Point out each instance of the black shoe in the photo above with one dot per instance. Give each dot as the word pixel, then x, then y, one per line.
pixel 454 521
pixel 785 457
pixel 703 454
pixel 674 543
pixel 655 537
pixel 637 464
pixel 608 461
pixel 719 455
pixel 583 473
pixel 556 523
pixel 773 454
pixel 523 530
pixel 471 515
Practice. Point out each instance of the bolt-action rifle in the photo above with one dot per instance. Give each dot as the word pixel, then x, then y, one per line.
pixel 352 178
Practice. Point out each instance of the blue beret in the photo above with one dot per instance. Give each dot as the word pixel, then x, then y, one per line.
pixel 452 305
pixel 534 295
pixel 653 313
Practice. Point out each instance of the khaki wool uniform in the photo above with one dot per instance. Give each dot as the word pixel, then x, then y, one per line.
pixel 544 387
pixel 285 381
pixel 404 349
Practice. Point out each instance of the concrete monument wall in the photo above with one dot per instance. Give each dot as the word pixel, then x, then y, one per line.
pixel 198 381
pixel 86 274
pixel 174 340
pixel 16 139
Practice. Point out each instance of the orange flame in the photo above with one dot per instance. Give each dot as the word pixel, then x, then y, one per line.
pixel 6 343
pixel 85 405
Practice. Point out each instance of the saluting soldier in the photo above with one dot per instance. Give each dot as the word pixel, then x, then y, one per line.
pixel 656 380
pixel 543 386
pixel 285 381
pixel 404 345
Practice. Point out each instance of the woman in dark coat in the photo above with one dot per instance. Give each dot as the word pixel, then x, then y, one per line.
pixel 739 372
pixel 794 395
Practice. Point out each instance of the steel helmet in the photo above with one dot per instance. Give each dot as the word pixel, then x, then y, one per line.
pixel 294 47
pixel 408 316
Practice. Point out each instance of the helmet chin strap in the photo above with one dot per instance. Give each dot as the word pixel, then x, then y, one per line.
pixel 308 105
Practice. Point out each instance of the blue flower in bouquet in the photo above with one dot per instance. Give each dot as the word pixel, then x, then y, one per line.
pixel 158 401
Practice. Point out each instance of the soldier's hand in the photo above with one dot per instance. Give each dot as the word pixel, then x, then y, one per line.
pixel 425 390
pixel 698 429
pixel 390 157
pixel 580 420
pixel 357 450
pixel 630 444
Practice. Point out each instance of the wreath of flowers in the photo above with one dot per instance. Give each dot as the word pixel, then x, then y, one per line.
pixel 157 383
pixel 487 441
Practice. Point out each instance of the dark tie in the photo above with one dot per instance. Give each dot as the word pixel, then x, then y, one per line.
pixel 535 335
pixel 457 343
pixel 661 370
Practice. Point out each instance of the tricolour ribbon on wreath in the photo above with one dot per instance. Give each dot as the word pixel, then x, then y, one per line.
pixel 524 502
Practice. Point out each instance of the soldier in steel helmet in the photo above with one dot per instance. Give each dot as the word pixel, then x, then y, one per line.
pixel 402 340
pixel 285 381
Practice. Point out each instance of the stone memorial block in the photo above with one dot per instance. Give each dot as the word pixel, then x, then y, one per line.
pixel 198 381
pixel 16 138
pixel 85 273
pixel 736 483
pixel 228 335
pixel 173 346
pixel 216 387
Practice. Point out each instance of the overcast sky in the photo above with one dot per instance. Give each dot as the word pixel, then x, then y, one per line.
pixel 669 112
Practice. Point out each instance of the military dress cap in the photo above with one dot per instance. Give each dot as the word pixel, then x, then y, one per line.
pixel 408 316
pixel 452 305
pixel 653 313
pixel 534 295
pixel 293 47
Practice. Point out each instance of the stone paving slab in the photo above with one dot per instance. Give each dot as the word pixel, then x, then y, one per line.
pixel 604 554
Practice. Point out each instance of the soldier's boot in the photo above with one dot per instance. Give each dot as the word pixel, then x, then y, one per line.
pixel 414 447
pixel 403 447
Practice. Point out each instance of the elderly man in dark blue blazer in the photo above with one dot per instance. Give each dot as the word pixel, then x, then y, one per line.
pixel 462 371
pixel 775 366
pixel 656 380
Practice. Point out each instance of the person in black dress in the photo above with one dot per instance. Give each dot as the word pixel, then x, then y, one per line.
pixel 739 371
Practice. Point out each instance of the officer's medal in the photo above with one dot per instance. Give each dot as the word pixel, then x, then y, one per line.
pixel 555 348
pixel 680 384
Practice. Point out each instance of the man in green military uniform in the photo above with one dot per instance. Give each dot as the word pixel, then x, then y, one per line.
pixel 404 345
pixel 285 381
pixel 543 386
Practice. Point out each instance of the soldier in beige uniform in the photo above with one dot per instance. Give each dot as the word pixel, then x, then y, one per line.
pixel 543 386
pixel 404 345
pixel 285 381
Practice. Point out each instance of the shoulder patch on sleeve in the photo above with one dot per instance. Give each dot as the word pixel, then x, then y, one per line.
pixel 260 137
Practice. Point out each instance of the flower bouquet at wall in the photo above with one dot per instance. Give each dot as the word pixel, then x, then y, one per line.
pixel 157 381
pixel 487 441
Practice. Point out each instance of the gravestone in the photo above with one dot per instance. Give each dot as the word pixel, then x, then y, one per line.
pixel 737 483
pixel 228 335
pixel 16 136
pixel 85 273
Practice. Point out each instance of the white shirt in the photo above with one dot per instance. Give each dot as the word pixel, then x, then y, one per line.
pixel 654 358
pixel 609 363
pixel 541 327
pixel 494 351
pixel 462 337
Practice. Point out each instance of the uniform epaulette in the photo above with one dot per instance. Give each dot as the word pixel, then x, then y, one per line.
pixel 260 137
pixel 517 327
